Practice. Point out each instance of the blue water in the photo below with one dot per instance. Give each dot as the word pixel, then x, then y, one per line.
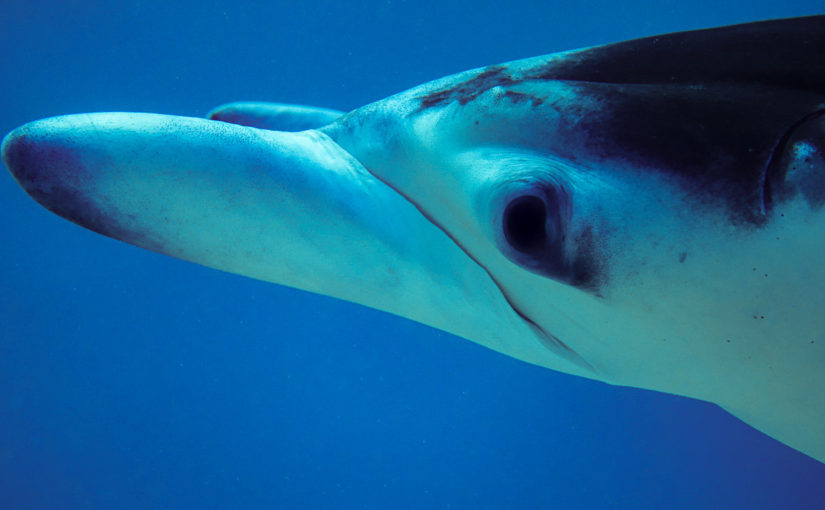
pixel 132 380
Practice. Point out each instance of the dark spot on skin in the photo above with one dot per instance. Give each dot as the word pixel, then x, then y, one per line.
pixel 435 99
pixel 728 340
pixel 476 123
pixel 521 97
pixel 464 92
pixel 682 257
pixel 517 97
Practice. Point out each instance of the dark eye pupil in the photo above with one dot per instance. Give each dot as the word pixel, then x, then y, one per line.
pixel 524 220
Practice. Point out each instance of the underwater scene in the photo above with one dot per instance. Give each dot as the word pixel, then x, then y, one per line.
pixel 513 288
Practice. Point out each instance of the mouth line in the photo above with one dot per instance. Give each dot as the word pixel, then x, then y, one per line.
pixel 549 340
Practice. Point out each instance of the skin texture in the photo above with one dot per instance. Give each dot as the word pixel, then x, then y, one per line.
pixel 602 212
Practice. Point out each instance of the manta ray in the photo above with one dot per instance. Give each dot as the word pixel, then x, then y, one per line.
pixel 647 213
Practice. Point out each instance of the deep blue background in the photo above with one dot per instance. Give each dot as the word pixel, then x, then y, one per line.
pixel 131 380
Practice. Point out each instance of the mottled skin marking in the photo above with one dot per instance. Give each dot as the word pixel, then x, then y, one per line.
pixel 675 58
pixel 521 97
pixel 493 76
pixel 682 104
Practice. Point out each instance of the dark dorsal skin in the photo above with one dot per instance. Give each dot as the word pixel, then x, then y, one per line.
pixel 710 107
pixel 736 54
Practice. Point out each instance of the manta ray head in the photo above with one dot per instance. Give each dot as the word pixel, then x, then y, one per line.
pixel 648 213
pixel 637 217
pixel 568 238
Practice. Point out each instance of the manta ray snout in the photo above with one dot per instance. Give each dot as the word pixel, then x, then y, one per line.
pixel 286 207
pixel 160 181
pixel 43 157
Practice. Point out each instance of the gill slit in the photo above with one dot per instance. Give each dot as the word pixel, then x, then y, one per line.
pixel 772 171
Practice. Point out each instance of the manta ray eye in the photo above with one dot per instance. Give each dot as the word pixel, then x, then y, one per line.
pixel 537 232
pixel 524 224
